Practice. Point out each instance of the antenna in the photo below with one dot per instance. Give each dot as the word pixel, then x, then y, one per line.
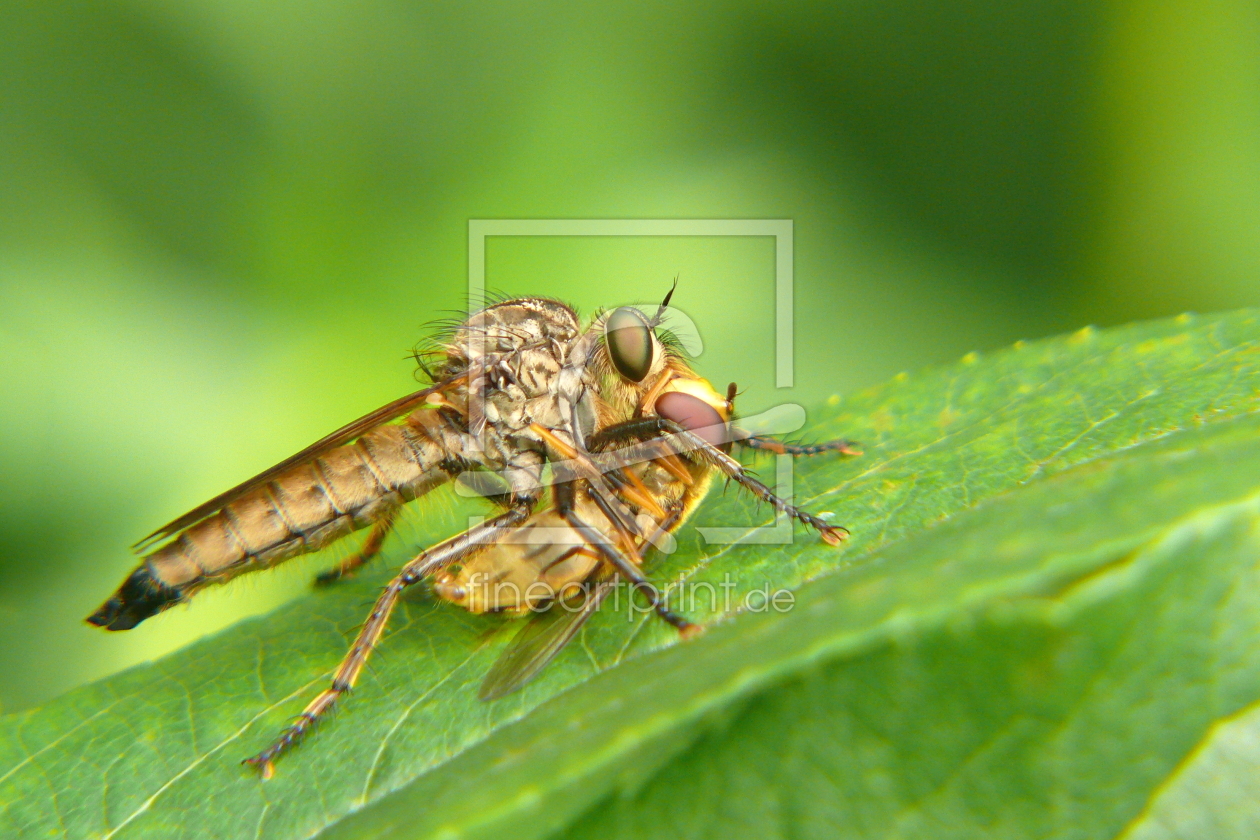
pixel 656 319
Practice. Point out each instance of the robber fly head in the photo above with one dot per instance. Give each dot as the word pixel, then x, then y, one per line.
pixel 632 347
pixel 645 374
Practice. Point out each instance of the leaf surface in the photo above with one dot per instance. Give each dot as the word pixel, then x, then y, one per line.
pixel 1045 613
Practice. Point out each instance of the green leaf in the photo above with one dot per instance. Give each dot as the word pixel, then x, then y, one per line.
pixel 1048 607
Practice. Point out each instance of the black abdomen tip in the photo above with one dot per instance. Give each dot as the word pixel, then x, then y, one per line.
pixel 139 597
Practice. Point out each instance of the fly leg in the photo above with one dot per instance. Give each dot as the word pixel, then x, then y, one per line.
pixel 769 444
pixel 625 566
pixel 844 447
pixel 574 465
pixel 371 547
pixel 655 431
pixel 416 569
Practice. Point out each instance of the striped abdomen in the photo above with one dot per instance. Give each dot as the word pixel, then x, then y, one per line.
pixel 301 510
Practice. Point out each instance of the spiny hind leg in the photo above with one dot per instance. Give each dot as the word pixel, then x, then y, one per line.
pixel 658 431
pixel 371 547
pixel 351 666
pixel 769 444
pixel 569 466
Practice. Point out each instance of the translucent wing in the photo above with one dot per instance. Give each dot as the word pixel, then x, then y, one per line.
pixel 538 642
pixel 545 635
pixel 343 435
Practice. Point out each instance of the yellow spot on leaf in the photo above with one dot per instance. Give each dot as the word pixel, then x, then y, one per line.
pixel 867 591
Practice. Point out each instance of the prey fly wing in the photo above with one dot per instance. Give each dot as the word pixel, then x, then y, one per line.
pixel 541 639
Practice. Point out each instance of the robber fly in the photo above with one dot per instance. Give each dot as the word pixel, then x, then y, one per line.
pixel 631 434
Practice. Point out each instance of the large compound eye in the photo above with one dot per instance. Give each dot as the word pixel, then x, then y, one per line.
pixel 695 415
pixel 631 344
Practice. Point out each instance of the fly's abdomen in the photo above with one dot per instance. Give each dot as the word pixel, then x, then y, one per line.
pixel 301 510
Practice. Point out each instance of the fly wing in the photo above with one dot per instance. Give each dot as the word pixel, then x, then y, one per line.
pixel 538 642
pixel 345 434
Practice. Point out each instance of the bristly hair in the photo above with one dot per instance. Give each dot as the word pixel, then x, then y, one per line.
pixel 672 343
pixel 431 351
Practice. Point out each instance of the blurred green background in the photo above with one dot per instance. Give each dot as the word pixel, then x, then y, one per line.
pixel 223 224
